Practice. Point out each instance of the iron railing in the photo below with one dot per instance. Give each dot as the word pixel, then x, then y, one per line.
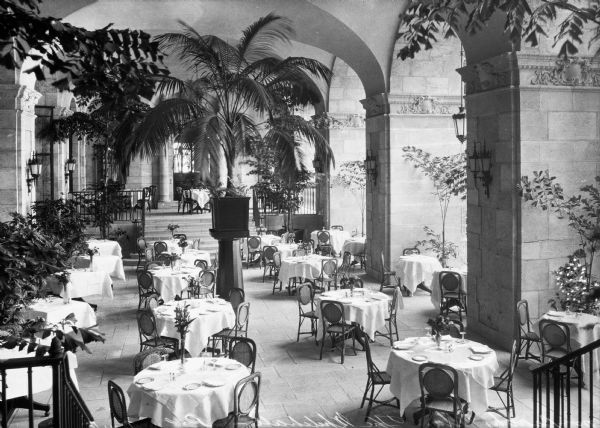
pixel 68 408
pixel 560 402
pixel 263 206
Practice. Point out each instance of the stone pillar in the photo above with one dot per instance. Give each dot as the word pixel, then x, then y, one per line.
pixel 17 133
pixel 378 189
pixel 165 179
pixel 494 222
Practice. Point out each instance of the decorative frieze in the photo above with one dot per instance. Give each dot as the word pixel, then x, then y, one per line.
pixel 338 120
pixel 567 72
pixel 423 104
pixel 493 73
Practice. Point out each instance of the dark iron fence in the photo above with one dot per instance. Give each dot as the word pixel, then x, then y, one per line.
pixel 564 393
pixel 263 206
pixel 68 408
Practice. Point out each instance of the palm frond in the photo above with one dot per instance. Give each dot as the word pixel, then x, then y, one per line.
pixel 168 85
pixel 259 38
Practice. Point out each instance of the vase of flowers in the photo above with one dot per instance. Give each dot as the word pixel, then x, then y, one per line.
pixel 182 325
pixel 63 279
pixel 182 244
pixel 90 252
pixel 173 257
pixel 172 228
pixel 440 325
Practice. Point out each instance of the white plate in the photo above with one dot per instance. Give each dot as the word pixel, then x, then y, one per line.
pixel 476 357
pixel 555 314
pixel 213 383
pixel 233 366
pixel 191 386
pixel 420 358
pixel 403 345
pixel 480 349
pixel 144 380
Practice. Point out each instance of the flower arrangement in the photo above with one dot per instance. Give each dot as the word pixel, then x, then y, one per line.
pixel 182 244
pixel 173 258
pixel 573 293
pixel 182 325
pixel 91 251
pixel 439 326
pixel 63 279
pixel 172 228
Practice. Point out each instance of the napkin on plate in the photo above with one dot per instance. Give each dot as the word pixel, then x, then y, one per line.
pixel 479 349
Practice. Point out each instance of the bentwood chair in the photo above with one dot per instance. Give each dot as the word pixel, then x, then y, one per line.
pixel 243 350
pixel 324 246
pixel 328 275
pixel 527 336
pixel 145 281
pixel 335 325
pixel 254 252
pixel 245 404
pixel 204 286
pixel 375 379
pixel 337 227
pixel 387 275
pixel 149 337
pixel 390 321
pixel 556 343
pixel 146 358
pixel 410 251
pixel 276 269
pixel 236 297
pixel 503 384
pixel 118 408
pixel 268 262
pixel 201 264
pixel 453 299
pixel 439 393
pixel 160 247
pixel 240 328
pixel 306 309
pixel 141 248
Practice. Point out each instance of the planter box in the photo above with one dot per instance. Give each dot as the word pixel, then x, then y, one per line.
pixel 230 216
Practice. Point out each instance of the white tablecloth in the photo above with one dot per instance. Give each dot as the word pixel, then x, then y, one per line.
pixel 211 316
pixel 201 196
pixel 355 246
pixel 112 265
pixel 171 282
pixel 54 310
pixel 286 250
pixel 308 267
pixel 168 402
pixel 436 293
pixel 584 329
pixel 106 247
pixel 337 238
pixel 415 269
pixel 474 377
pixel 16 379
pixel 367 308
pixel 84 283
pixel 190 256
pixel 266 240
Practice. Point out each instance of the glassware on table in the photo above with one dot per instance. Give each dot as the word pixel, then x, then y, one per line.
pixel 462 337
pixel 568 311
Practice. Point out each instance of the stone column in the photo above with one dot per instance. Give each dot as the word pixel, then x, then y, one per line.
pixel 378 188
pixel 165 179
pixel 17 126
pixel 494 222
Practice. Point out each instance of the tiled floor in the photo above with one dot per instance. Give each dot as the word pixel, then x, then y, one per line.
pixel 298 389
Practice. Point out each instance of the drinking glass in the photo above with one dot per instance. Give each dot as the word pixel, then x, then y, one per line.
pixel 462 337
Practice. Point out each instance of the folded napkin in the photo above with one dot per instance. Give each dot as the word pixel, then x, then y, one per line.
pixel 555 314
pixel 479 349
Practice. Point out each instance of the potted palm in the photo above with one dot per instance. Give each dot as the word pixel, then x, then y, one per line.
pixel 237 91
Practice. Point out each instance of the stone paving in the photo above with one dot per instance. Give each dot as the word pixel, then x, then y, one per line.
pixel 298 389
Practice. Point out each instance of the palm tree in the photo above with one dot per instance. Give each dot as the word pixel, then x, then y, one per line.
pixel 234 86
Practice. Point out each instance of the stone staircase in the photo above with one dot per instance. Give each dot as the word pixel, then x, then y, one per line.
pixel 193 225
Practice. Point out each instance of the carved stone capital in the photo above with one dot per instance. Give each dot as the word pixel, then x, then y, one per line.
pixel 493 73
pixel 544 70
pixel 338 120
pixel 423 104
pixel 26 99
pixel 376 105
pixel 63 112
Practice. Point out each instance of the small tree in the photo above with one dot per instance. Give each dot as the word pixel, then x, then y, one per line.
pixel 353 176
pixel 448 174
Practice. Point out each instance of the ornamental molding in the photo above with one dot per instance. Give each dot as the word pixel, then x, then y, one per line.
pixel 376 105
pixel 493 73
pixel 26 99
pixel 63 111
pixel 329 120
pixel 552 71
pixel 423 104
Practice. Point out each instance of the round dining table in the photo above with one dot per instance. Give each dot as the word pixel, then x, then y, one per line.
pixel 190 255
pixel 474 362
pixel 307 267
pixel 436 292
pixel 56 309
pixel 106 247
pixel 209 316
pixel 193 396
pixel 355 246
pixel 266 240
pixel 415 269
pixel 201 196
pixel 171 282
pixel 362 306
pixel 337 238
pixel 82 283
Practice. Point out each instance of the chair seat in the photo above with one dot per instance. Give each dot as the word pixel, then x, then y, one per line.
pixel 450 295
pixel 339 328
pixel 389 272
pixel 554 355
pixel 310 314
pixel 161 341
pixel 381 378
pixel 229 422
pixel 446 405
pixel 500 384
pixel 530 335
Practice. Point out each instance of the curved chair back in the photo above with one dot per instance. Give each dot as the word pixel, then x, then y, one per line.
pixel 201 264
pixel 141 244
pixel 164 258
pixel 298 253
pixel 246 397
pixel 556 339
pixel 145 359
pixel 243 350
pixel 254 243
pixel 523 312
pixel 268 252
pixel 153 265
pixel 329 267
pixel 180 236
pixel 450 282
pixel 410 251
pixel 305 295
pixel 145 280
pixel 323 237
pixel 117 404
pixel 332 312
pixel 160 247
pixel 152 301
pixel 383 265
pixel 236 297
pixel 394 302
pixel 337 227
pixel 438 381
